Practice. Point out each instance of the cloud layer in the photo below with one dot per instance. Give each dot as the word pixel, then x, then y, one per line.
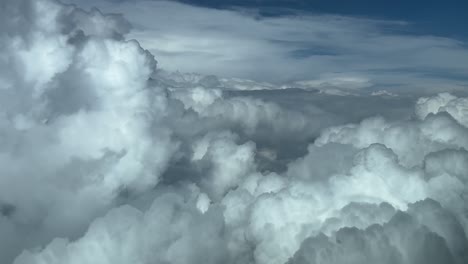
pixel 106 159
pixel 321 50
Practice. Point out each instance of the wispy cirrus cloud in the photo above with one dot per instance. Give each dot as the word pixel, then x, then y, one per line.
pixel 296 47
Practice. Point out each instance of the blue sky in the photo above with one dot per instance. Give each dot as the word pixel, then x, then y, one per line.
pixel 444 18
pixel 404 45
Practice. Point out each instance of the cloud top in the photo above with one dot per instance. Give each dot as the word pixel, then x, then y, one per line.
pixel 105 159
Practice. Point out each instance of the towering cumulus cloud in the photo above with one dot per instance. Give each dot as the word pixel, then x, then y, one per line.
pixel 105 160
pixel 78 122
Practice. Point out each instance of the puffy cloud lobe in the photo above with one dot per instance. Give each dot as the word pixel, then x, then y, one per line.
pixel 226 162
pixel 281 219
pixel 374 174
pixel 452 162
pixel 407 237
pixel 84 126
pixel 444 102
pixel 277 216
pixel 77 116
pixel 410 140
pixel 170 231
pixel 252 116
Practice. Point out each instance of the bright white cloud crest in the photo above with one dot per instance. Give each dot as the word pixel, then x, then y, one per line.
pixel 105 159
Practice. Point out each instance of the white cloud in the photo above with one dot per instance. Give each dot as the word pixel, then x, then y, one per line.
pixel 300 47
pixel 409 237
pixel 77 115
pixel 444 102
pixel 104 160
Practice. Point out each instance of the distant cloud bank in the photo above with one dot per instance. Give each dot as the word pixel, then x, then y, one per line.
pixel 105 158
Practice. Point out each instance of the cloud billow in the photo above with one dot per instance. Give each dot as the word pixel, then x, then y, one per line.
pixel 105 159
